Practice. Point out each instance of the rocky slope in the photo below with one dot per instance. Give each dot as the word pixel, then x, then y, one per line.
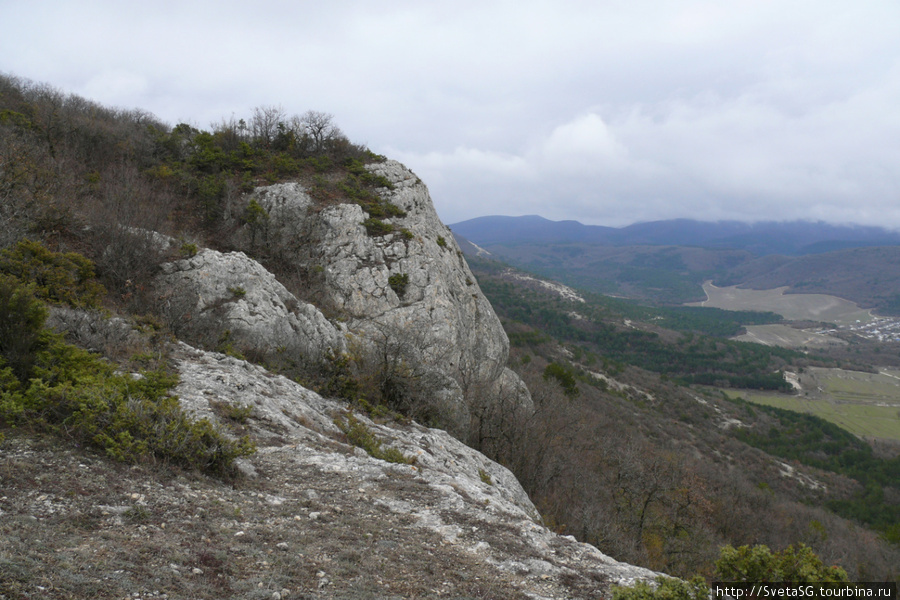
pixel 436 307
pixel 312 516
pixel 318 511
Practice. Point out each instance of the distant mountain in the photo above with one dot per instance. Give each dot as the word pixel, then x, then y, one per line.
pixel 667 261
pixel 794 238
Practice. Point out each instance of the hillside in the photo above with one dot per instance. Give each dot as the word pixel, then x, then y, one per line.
pixel 252 362
pixel 594 343
pixel 216 348
pixel 668 261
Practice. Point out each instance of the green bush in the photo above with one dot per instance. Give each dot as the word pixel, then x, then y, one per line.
pixel 758 563
pixel 398 283
pixel 667 588
pixel 376 227
pixel 361 436
pixel 565 376
pixel 49 385
pixel 130 418
pixel 21 322
pixel 742 565
pixel 63 278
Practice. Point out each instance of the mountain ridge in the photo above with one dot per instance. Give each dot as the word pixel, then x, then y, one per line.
pixel 792 238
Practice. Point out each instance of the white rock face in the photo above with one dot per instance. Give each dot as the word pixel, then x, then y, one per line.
pixel 471 502
pixel 211 293
pixel 442 309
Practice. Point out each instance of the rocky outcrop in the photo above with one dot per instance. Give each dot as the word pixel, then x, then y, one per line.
pixel 215 299
pixel 313 517
pixel 473 505
pixel 411 283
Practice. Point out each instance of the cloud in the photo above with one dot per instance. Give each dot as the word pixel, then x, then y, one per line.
pixel 606 112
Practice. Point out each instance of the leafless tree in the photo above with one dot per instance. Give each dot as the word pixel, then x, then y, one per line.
pixel 264 124
pixel 319 127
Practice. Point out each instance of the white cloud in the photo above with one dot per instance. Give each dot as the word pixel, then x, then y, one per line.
pixel 605 112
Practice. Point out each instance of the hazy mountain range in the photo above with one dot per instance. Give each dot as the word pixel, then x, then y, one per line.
pixel 789 238
pixel 667 261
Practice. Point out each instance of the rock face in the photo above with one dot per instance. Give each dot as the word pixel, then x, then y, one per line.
pixel 219 298
pixel 411 283
pixel 314 517
pixel 473 505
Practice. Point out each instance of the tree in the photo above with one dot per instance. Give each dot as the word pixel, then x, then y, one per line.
pixel 264 124
pixel 21 321
pixel 320 128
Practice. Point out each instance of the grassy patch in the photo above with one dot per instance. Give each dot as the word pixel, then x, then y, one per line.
pixel 361 436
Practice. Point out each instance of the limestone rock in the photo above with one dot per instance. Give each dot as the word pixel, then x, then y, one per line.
pixel 215 298
pixel 470 502
pixel 438 306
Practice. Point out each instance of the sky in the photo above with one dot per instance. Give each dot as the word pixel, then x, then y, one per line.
pixel 608 112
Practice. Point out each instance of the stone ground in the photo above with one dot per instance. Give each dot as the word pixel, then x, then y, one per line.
pixel 311 517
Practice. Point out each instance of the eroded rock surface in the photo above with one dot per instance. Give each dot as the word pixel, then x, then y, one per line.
pixel 438 307
pixel 219 298
pixel 460 500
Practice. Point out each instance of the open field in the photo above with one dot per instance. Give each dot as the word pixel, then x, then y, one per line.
pixel 787 337
pixel 865 404
pixel 799 307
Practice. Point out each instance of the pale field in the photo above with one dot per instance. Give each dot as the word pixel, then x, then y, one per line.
pixel 865 404
pixel 794 307
pixel 787 337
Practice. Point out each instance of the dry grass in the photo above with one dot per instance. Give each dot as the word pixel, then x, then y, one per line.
pixel 75 525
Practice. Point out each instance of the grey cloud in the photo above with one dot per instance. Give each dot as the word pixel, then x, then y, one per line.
pixel 605 112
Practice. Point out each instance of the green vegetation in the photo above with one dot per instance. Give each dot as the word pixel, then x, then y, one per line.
pixel 376 227
pixel 691 358
pixel 564 375
pixel 485 477
pixel 745 564
pixel 398 283
pixel 361 436
pixel 61 278
pixel 816 442
pixel 49 385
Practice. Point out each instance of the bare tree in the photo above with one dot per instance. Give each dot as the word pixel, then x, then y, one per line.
pixel 264 124
pixel 320 128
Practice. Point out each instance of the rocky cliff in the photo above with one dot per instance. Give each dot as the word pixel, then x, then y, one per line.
pixel 405 290
pixel 334 503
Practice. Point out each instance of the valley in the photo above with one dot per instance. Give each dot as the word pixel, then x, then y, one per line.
pixel 865 404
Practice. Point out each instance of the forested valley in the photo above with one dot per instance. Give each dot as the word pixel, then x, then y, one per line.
pixel 652 461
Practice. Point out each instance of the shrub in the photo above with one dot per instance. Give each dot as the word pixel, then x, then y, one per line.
pixel 66 390
pixel 564 375
pixel 441 242
pixel 758 563
pixel 64 278
pixel 742 565
pixel 21 322
pixel 667 588
pixel 485 477
pixel 361 436
pixel 398 283
pixel 376 227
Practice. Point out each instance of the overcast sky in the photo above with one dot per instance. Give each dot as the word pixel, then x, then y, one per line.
pixel 607 112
